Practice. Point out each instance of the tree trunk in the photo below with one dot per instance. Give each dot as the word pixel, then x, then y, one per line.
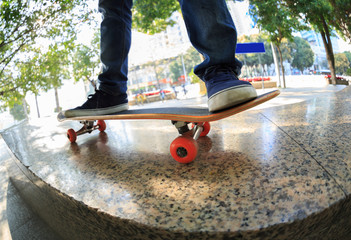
pixel 37 105
pixel 24 104
pixel 276 63
pixel 57 101
pixel 328 49
pixel 282 65
pixel 92 82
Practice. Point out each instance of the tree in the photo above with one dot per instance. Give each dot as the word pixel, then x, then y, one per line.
pixel 153 16
pixel 86 60
pixel 193 77
pixel 342 63
pixel 57 69
pixel 348 55
pixel 267 57
pixel 319 14
pixel 18 112
pixel 26 79
pixel 191 58
pixel 274 18
pixel 31 23
pixel 176 70
pixel 42 72
pixel 303 56
pixel 341 10
pixel 251 59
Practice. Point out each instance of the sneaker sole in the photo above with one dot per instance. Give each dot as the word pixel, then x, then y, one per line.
pixel 95 112
pixel 231 97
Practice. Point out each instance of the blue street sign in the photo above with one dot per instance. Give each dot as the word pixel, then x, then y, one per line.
pixel 242 48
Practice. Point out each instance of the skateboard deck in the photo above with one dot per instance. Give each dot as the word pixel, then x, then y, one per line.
pixel 184 148
pixel 187 114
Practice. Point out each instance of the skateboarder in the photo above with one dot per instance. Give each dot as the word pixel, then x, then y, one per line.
pixel 211 31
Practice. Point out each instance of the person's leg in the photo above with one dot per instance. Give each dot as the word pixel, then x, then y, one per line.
pixel 111 95
pixel 212 32
pixel 115 44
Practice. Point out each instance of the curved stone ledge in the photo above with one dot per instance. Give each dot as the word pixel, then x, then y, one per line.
pixel 262 174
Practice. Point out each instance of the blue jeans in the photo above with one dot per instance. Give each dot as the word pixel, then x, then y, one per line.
pixel 209 25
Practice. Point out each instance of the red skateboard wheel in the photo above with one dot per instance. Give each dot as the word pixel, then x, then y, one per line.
pixel 71 135
pixel 206 130
pixel 184 149
pixel 102 125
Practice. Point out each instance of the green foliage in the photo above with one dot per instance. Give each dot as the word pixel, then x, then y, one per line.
pixel 253 59
pixel 348 55
pixel 191 58
pixel 25 27
pixel 298 52
pixel 56 67
pixel 319 14
pixel 314 12
pixel 193 77
pixel 153 16
pixel 37 71
pixel 302 54
pixel 342 63
pixel 86 61
pixel 341 12
pixel 18 112
pixel 274 18
pixel 176 70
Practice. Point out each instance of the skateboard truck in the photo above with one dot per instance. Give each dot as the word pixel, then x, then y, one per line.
pixel 184 148
pixel 88 127
pixel 182 127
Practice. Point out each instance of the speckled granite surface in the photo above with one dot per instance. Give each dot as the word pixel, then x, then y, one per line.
pixel 323 128
pixel 259 174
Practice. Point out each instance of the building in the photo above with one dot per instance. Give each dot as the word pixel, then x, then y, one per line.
pixel 240 14
pixel 316 42
pixel 169 43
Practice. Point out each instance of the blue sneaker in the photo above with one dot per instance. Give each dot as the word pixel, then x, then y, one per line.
pixel 99 103
pixel 224 89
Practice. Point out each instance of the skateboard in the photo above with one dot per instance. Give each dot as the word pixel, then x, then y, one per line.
pixel 184 148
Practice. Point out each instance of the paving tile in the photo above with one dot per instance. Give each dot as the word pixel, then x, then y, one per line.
pixel 322 127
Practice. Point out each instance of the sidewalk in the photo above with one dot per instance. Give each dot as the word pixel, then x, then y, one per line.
pixel 17 221
pixel 298 94
pixel 289 95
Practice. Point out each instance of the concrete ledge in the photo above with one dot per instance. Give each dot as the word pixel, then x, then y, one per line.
pixel 267 84
pixel 292 182
pixel 339 82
